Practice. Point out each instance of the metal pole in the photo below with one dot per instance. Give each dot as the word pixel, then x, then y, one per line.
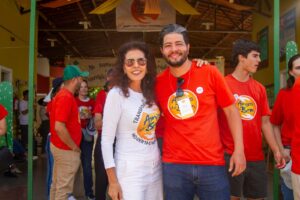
pixel 31 97
pixel 276 81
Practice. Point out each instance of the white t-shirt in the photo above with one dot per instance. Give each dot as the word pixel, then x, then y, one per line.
pixel 23 105
pixel 133 124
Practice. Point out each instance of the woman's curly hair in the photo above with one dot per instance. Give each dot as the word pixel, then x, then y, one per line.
pixel 121 80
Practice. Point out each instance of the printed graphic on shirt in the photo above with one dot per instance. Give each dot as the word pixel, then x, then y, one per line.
pixel 246 105
pixel 85 112
pixel 145 132
pixel 183 107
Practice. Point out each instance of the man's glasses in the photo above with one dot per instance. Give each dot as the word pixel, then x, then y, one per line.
pixel 130 62
pixel 179 90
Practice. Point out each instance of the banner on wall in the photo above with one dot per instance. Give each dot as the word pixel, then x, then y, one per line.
pixel 130 16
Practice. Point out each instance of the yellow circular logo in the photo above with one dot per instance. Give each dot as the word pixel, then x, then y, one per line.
pixel 247 107
pixel 173 106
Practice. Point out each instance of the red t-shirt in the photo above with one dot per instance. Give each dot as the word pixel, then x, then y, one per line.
pixel 281 115
pixel 64 109
pixel 99 104
pixel 160 127
pixel 85 109
pixel 193 137
pixel 100 101
pixel 252 103
pixel 3 112
pixel 295 148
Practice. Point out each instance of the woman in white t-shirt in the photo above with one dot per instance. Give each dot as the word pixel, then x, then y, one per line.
pixel 130 116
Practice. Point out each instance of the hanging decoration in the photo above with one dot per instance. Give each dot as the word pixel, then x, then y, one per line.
pixel 151 7
pixel 93 92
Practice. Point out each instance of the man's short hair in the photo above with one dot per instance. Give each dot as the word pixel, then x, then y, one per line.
pixel 242 47
pixel 173 28
pixel 25 93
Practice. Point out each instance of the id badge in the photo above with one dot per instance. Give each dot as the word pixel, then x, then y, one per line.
pixel 185 108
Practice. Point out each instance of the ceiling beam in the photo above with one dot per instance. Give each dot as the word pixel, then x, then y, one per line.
pixel 105 32
pixel 225 38
pixel 51 24
pixel 115 30
pixel 237 27
pixel 191 16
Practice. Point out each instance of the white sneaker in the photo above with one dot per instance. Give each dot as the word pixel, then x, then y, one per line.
pixel 91 198
pixel 16 170
pixel 71 197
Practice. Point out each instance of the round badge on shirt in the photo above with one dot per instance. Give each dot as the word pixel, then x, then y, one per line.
pixel 173 106
pixel 199 90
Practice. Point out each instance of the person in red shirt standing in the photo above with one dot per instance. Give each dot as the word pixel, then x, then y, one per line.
pixel 295 144
pixel 251 101
pixel 188 96
pixel 3 114
pixel 101 181
pixel 85 109
pixel 283 126
pixel 65 134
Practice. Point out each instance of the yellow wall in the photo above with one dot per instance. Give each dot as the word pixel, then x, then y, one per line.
pixel 266 75
pixel 14 54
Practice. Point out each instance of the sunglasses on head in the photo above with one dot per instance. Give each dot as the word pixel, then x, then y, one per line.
pixel 140 61
pixel 179 90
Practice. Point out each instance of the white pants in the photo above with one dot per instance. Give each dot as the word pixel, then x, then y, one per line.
pixel 140 180
pixel 296 185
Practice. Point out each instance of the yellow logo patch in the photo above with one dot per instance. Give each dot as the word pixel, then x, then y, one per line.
pixel 147 124
pixel 247 107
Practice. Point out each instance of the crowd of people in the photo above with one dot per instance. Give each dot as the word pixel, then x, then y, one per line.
pixel 187 131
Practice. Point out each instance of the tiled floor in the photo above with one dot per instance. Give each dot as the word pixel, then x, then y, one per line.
pixel 16 188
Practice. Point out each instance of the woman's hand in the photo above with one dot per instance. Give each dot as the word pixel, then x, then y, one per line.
pixel 115 191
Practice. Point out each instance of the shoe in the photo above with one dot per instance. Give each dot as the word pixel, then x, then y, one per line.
pixel 35 157
pixel 71 197
pixel 15 170
pixel 91 197
pixel 10 174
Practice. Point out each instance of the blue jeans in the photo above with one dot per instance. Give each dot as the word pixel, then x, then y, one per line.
pixel 182 182
pixel 49 166
pixel 287 193
pixel 86 162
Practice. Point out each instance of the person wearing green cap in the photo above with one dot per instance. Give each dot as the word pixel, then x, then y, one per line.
pixel 65 134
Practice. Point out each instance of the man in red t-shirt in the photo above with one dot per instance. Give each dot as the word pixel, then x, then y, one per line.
pixel 3 114
pixel 251 101
pixel 189 97
pixel 65 134
pixel 295 148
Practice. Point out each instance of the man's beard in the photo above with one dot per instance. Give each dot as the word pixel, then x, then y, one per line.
pixel 178 63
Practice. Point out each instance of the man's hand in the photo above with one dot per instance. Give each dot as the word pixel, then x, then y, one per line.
pixel 286 153
pixel 77 149
pixel 115 191
pixel 280 162
pixel 238 163
pixel 200 62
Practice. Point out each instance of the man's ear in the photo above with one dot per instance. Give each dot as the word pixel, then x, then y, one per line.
pixel 241 58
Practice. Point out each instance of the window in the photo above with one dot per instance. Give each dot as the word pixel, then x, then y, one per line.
pixel 5 74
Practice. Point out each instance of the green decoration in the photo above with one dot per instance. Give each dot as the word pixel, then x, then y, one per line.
pixel 6 99
pixel 291 49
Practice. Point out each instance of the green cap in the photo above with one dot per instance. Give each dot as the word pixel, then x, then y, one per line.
pixel 73 71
